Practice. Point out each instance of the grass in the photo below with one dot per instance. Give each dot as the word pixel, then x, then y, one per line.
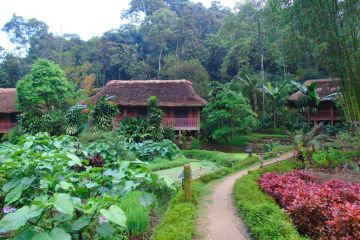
pixel 178 222
pixel 244 140
pixel 161 163
pixel 222 172
pixel 220 158
pixel 198 168
pixel 263 217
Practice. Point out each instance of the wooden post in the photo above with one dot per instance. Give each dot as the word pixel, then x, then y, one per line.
pixel 331 114
pixel 262 162
pixel 187 182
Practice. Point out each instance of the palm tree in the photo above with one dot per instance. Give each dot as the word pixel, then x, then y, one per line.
pixel 311 95
pixel 276 94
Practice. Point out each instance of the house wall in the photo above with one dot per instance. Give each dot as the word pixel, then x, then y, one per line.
pixel 170 113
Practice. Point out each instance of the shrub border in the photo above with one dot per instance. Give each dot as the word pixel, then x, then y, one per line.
pixel 261 214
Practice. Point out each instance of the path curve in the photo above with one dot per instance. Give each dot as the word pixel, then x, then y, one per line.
pixel 221 220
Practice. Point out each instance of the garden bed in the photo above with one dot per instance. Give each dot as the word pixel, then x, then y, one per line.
pixel 263 217
pixel 321 210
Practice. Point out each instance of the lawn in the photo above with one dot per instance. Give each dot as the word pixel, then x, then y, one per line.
pixel 220 158
pixel 198 168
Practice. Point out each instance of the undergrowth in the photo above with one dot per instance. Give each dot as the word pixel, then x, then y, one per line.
pixel 261 214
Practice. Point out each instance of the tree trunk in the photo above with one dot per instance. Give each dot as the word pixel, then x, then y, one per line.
pixel 159 68
pixel 275 116
pixel 256 107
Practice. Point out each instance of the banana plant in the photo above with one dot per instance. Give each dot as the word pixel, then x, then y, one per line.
pixel 254 84
pixel 276 93
pixel 310 94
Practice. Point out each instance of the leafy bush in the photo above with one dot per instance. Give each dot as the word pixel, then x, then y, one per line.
pixel 75 120
pixel 103 115
pixel 49 188
pixel 263 217
pixel 134 129
pixel 330 210
pixel 148 150
pixel 270 146
pixel 34 121
pixel 148 128
pixel 227 115
pixel 110 145
pixel 333 158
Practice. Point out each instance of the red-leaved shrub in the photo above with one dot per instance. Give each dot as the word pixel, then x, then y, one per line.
pixel 329 210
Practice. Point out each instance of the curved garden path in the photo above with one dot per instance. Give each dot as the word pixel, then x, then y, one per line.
pixel 221 220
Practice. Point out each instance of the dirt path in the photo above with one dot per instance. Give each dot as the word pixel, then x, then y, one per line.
pixel 221 221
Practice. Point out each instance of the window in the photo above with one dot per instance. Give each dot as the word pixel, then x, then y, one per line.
pixel 181 113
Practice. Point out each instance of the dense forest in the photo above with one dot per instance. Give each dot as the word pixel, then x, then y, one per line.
pixel 257 42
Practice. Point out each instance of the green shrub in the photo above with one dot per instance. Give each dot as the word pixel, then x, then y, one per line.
pixel 195 144
pixel 333 157
pixel 103 114
pixel 263 217
pixel 110 145
pixel 138 216
pixel 148 150
pixel 244 140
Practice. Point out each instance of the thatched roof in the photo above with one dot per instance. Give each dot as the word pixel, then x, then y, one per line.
pixel 8 100
pixel 170 93
pixel 324 87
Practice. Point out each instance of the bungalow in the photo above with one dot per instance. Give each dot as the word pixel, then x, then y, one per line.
pixel 177 98
pixel 326 110
pixel 8 112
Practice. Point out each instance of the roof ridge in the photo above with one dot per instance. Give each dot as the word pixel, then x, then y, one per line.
pixel 149 81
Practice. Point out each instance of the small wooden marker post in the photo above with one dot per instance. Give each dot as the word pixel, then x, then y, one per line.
pixel 262 162
pixel 187 182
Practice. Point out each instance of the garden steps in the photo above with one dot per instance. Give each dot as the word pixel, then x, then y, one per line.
pixel 221 221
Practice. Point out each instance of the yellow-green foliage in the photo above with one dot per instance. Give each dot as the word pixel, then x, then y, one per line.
pixel 178 222
pixel 263 217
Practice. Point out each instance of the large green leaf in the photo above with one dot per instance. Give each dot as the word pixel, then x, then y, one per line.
pixel 75 160
pixel 146 199
pixel 105 230
pixel 14 194
pixel 10 185
pixel 15 220
pixel 42 236
pixel 63 203
pixel 80 223
pixel 59 234
pixel 115 215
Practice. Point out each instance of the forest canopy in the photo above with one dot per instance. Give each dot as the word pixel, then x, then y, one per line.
pixel 267 41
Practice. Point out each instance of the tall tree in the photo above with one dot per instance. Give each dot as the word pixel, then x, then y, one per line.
pixel 44 88
pixel 22 31
pixel 158 32
pixel 338 31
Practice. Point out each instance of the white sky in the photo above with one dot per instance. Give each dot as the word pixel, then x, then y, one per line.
pixel 86 18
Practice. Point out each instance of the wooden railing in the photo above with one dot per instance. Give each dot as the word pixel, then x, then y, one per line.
pixel 325 115
pixel 182 123
pixel 5 127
